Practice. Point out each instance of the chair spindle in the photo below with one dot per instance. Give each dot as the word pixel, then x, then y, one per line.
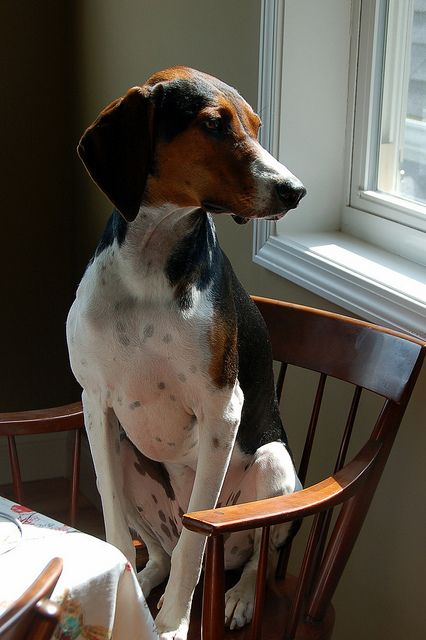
pixel 303 580
pixel 327 515
pixel 16 470
pixel 303 469
pixel 348 430
pixel 75 476
pixel 280 380
pixel 261 578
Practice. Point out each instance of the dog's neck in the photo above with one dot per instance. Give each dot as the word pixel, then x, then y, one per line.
pixel 167 246
pixel 150 238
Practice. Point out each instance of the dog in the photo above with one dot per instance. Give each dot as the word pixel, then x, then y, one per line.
pixel 173 357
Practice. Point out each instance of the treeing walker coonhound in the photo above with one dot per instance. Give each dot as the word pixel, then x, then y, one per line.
pixel 173 356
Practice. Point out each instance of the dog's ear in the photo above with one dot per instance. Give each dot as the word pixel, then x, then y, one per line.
pixel 117 149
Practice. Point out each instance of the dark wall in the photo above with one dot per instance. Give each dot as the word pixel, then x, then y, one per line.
pixel 37 203
pixel 60 63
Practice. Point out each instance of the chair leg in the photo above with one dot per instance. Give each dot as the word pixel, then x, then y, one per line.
pixel 16 471
pixel 75 477
pixel 213 614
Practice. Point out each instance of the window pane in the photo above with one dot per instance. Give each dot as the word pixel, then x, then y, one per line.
pixel 402 158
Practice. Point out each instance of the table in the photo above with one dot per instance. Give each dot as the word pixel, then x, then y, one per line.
pixel 98 589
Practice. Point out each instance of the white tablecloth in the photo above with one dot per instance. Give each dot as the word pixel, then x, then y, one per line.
pixel 98 588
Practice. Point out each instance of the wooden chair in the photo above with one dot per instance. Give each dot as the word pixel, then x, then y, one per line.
pixel 371 359
pixel 33 616
pixel 65 418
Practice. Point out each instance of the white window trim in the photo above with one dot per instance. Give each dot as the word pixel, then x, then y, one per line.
pixel 332 263
pixel 361 197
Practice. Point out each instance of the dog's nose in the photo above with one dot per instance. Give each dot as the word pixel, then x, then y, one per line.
pixel 290 193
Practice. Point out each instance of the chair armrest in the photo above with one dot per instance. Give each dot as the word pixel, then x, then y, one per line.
pixel 323 495
pixel 63 418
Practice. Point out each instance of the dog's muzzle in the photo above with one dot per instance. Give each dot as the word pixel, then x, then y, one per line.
pixel 289 193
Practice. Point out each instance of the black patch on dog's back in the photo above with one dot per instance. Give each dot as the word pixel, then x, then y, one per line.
pixel 252 363
pixel 260 420
pixel 193 261
pixel 116 229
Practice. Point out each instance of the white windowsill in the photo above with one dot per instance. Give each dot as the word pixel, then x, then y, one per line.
pixel 372 283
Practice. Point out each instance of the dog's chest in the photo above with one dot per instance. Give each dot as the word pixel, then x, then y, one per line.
pixel 145 359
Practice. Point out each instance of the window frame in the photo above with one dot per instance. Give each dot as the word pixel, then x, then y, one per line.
pixel 367 63
pixel 394 294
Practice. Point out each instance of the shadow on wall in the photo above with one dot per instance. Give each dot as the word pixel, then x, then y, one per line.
pixel 62 63
pixel 38 203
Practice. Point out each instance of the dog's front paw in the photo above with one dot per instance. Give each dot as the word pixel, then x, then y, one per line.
pixel 171 624
pixel 166 632
pixel 177 634
pixel 239 602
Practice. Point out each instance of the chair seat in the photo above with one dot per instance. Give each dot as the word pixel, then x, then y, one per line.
pixel 279 594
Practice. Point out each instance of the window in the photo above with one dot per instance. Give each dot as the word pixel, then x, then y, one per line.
pixel 402 150
pixel 343 100
pixel 389 143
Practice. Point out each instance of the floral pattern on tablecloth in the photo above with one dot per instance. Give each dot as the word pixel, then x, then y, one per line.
pixel 29 516
pixel 72 624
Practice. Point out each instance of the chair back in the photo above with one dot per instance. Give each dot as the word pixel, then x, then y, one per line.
pixel 33 616
pixel 371 360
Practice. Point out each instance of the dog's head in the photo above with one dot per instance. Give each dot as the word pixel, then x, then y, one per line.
pixel 186 138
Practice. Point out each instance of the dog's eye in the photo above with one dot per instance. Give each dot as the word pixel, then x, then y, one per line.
pixel 215 125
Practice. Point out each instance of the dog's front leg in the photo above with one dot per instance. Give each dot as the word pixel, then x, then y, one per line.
pixel 103 433
pixel 218 421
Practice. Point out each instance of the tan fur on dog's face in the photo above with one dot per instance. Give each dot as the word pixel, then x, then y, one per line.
pixel 216 162
pixel 199 166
